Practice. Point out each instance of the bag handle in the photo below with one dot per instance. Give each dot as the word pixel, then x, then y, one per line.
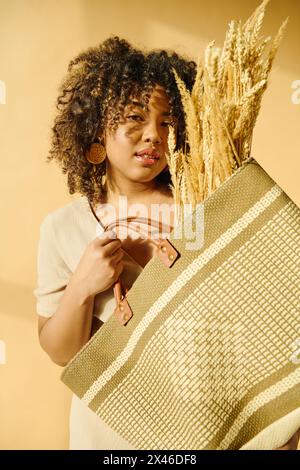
pixel 164 250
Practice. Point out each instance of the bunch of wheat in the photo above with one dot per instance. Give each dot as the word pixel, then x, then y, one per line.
pixel 221 110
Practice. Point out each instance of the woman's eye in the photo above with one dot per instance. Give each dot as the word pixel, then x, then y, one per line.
pixel 138 118
pixel 134 117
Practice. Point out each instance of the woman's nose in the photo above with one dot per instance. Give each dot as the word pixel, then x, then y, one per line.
pixel 152 133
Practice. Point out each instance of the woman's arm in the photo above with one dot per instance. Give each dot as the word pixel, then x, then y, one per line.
pixel 64 334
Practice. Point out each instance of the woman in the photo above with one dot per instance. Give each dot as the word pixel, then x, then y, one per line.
pixel 110 137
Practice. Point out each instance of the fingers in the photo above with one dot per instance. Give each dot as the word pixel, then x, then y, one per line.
pixel 106 237
pixel 118 269
pixel 117 256
pixel 112 248
pixel 110 244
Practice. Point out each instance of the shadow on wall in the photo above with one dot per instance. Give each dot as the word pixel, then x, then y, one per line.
pixel 31 416
pixel 205 21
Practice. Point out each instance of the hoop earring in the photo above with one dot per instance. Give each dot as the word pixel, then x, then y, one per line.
pixel 96 153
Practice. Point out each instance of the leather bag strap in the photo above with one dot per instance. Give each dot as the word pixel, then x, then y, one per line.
pixel 164 250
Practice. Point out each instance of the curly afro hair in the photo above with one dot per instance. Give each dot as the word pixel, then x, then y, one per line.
pixel 99 84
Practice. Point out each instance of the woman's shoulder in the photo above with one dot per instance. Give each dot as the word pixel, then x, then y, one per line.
pixel 68 229
pixel 75 217
pixel 72 211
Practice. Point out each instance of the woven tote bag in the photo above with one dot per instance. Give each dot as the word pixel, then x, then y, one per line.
pixel 210 356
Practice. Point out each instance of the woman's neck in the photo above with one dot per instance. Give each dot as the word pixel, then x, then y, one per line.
pixel 143 194
pixel 114 205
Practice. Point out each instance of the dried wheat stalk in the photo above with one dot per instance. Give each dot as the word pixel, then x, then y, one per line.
pixel 221 110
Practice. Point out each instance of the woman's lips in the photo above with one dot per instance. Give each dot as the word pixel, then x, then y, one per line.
pixel 146 159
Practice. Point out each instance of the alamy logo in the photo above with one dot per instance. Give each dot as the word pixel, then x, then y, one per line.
pixel 2 352
pixel 191 229
pixel 296 93
pixel 2 92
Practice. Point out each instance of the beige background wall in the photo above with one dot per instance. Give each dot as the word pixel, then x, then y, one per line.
pixel 37 40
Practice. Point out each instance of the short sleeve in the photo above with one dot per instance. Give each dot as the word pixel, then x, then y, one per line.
pixel 52 272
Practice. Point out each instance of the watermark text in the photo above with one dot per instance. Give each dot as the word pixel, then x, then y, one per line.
pixel 2 92
pixel 154 221
pixel 2 352
pixel 296 94
pixel 295 357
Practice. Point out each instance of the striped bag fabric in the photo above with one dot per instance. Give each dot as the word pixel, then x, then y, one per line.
pixel 210 358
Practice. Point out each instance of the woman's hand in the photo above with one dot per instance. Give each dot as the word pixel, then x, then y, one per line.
pixel 292 444
pixel 100 265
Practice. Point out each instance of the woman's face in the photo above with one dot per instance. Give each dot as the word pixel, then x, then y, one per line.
pixel 143 128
